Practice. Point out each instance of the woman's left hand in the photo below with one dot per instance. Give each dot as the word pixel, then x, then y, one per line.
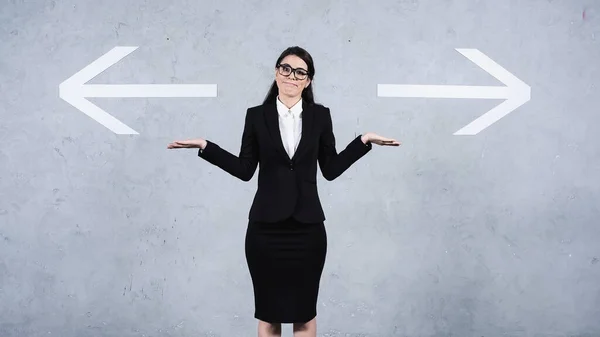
pixel 379 140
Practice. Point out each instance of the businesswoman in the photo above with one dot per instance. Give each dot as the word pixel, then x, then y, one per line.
pixel 286 242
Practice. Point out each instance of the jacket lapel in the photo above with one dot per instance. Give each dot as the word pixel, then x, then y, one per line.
pixel 307 127
pixel 273 125
pixel 272 119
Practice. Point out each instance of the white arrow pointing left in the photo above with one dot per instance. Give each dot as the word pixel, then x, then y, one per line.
pixel 74 90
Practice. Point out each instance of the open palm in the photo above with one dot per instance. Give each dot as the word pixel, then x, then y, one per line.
pixel 380 140
pixel 198 143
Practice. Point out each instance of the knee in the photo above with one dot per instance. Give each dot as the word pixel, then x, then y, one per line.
pixel 305 325
pixel 274 328
pixel 300 327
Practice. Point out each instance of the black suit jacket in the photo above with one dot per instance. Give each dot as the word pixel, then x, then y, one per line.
pixel 286 187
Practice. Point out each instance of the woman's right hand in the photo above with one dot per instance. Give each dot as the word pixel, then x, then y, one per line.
pixel 198 143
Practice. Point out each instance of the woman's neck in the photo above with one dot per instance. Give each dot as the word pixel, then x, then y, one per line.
pixel 289 101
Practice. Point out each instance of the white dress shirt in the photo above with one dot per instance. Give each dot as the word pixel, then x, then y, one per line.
pixel 290 125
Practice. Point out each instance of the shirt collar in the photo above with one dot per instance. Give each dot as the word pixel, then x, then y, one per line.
pixel 283 110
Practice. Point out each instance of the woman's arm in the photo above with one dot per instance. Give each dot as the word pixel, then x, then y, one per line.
pixel 242 166
pixel 333 164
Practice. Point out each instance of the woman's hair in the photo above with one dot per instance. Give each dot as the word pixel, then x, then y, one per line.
pixel 307 93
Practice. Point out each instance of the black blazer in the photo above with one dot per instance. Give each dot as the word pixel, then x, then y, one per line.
pixel 286 187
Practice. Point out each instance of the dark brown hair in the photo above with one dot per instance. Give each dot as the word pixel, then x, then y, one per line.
pixel 307 93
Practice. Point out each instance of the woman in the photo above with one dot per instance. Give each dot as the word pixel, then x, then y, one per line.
pixel 286 242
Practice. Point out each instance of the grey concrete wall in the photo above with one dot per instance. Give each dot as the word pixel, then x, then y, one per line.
pixel 495 234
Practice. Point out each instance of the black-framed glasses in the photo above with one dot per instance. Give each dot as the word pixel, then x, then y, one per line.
pixel 285 70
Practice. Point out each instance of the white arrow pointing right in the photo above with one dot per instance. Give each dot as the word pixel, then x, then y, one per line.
pixel 515 91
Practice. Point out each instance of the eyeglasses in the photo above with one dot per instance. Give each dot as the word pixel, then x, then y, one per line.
pixel 285 70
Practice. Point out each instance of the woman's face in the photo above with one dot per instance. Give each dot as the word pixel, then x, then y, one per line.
pixel 292 76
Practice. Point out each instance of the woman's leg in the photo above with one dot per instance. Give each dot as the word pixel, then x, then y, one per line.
pixel 308 329
pixel 266 329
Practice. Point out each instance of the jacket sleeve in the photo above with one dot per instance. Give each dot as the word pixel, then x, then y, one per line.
pixel 242 166
pixel 333 164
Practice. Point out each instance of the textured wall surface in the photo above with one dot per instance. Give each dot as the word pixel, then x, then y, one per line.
pixel 495 234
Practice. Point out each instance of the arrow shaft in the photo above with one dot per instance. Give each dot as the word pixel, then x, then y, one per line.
pixel 148 90
pixel 443 91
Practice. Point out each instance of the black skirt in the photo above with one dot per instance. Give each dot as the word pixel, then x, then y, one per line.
pixel 286 261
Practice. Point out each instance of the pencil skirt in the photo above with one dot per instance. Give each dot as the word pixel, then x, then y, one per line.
pixel 286 261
